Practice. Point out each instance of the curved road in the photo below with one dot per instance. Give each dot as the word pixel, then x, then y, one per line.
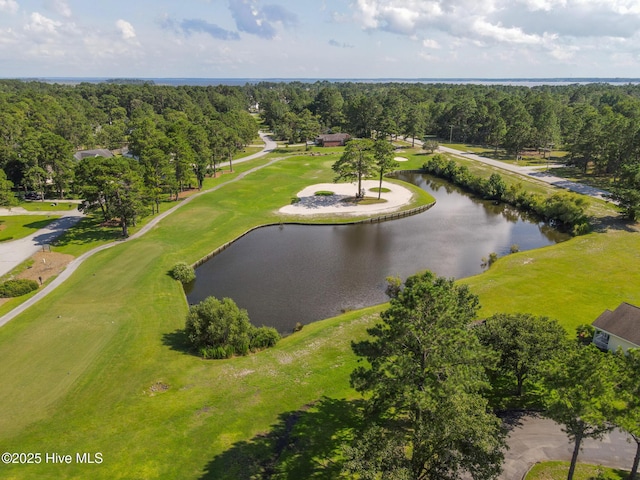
pixel 15 252
pixel 269 146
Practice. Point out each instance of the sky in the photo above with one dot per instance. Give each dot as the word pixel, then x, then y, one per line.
pixel 320 38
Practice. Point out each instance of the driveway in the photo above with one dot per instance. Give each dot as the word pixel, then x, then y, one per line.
pixel 15 252
pixel 536 439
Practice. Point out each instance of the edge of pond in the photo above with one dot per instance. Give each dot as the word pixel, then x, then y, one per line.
pixel 376 219
pixel 373 219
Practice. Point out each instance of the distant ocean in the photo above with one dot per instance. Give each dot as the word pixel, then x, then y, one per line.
pixel 524 82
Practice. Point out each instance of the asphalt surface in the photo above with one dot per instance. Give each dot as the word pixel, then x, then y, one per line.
pixel 534 439
pixel 542 175
pixel 15 252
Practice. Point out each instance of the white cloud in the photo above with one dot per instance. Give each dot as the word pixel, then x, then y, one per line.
pixel 38 23
pixel 10 6
pixel 126 29
pixel 429 43
pixel 61 7
pixel 502 34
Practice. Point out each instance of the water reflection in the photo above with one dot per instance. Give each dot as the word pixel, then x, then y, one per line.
pixel 296 273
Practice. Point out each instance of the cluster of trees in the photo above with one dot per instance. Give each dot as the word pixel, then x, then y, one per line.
pixel 361 159
pixel 564 210
pixel 220 329
pixel 176 135
pixel 427 384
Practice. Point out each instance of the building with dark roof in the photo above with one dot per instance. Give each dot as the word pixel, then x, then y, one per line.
pixel 333 139
pixel 618 329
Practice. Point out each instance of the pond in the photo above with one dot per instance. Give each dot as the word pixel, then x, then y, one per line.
pixel 288 274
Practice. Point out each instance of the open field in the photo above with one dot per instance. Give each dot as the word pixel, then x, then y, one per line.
pixel 19 226
pixel 101 364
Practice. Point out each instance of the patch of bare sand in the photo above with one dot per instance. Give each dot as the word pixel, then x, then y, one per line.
pixel 45 265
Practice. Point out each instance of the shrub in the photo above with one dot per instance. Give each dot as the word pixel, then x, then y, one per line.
pixel 183 272
pixel 220 329
pixel 17 287
pixel 264 337
pixel 323 193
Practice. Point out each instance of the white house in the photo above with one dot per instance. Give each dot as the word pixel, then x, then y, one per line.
pixel 618 329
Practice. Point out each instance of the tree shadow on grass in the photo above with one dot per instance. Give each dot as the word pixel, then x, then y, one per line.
pixel 88 230
pixel 178 341
pixel 305 443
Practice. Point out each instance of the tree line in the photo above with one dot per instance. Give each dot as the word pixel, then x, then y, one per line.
pixel 173 138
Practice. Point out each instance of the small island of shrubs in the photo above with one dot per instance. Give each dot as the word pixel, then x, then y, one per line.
pixel 220 329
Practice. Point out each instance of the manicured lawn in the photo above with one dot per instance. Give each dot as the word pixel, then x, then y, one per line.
pixel 14 227
pixel 101 364
pixel 48 206
pixel 573 282
pixel 559 470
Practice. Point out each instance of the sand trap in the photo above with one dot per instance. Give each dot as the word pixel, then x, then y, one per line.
pixel 401 159
pixel 312 204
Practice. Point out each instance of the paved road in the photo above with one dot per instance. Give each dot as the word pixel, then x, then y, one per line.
pixel 15 252
pixel 536 439
pixel 269 146
pixel 544 176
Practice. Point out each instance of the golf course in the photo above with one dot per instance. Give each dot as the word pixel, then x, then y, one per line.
pixel 101 366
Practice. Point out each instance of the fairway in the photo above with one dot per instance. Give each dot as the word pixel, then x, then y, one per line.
pixel 101 364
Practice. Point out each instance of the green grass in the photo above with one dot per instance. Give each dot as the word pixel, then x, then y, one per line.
pixel 48 206
pixel 79 369
pixel 559 470
pixel 573 281
pixel 14 227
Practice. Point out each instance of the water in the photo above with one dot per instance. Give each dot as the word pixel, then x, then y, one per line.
pixel 296 273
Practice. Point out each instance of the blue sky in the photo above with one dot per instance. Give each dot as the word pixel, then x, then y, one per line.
pixel 320 38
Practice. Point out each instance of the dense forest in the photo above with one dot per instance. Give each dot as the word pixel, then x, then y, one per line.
pixel 179 134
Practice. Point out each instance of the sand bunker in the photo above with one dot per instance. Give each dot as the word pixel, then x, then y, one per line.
pixel 342 199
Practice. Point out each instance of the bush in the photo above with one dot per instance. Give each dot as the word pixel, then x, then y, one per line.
pixel 183 272
pixel 264 337
pixel 220 329
pixel 17 288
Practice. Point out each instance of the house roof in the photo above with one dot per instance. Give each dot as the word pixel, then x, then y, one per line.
pixel 100 152
pixel 623 322
pixel 334 137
